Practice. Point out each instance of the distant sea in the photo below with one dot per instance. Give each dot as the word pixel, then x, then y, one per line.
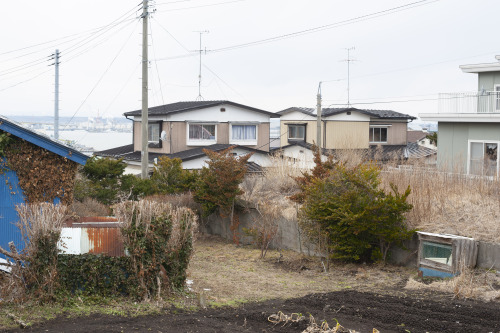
pixel 97 140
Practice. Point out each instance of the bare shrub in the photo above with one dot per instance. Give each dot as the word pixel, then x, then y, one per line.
pixel 177 200
pixel 159 239
pixel 89 207
pixel 265 227
pixel 35 271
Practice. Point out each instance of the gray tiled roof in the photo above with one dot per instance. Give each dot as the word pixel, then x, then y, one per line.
pixel 193 105
pixel 127 153
pixel 382 114
pixel 379 153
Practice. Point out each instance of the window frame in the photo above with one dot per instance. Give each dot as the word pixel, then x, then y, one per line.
pixel 371 134
pixel 296 138
pixel 496 91
pixel 155 143
pixel 247 142
pixel 201 142
pixel 469 153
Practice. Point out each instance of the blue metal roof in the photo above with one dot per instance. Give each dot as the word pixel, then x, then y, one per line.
pixel 42 141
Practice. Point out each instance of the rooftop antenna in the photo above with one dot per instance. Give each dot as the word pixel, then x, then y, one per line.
pixel 349 60
pixel 200 98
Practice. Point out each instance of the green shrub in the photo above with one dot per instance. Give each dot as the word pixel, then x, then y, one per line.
pixel 355 218
pixel 169 177
pixel 219 182
pixel 91 274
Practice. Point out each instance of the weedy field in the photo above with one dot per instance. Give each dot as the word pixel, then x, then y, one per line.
pixel 232 290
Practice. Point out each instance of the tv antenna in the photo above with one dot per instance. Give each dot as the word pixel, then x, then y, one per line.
pixel 349 60
pixel 200 98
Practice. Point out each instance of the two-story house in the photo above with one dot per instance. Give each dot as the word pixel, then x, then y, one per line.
pixel 469 124
pixel 183 129
pixel 382 131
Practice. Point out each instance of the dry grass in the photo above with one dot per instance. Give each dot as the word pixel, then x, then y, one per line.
pixel 89 207
pixel 227 274
pixel 469 284
pixel 450 203
pixel 443 202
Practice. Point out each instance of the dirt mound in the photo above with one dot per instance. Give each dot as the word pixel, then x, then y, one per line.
pixel 354 310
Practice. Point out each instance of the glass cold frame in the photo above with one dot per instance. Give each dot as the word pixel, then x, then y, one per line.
pixel 437 252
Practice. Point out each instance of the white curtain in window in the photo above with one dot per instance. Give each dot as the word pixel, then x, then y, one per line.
pixel 244 132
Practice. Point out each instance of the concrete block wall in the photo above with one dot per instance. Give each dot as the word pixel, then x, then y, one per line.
pixel 290 237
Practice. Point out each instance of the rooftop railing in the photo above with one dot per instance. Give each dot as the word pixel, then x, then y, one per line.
pixel 470 102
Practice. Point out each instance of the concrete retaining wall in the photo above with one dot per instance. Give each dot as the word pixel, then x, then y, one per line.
pixel 290 237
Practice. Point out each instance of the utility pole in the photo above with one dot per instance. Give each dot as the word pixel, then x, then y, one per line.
pixel 318 116
pixel 200 98
pixel 144 113
pixel 56 96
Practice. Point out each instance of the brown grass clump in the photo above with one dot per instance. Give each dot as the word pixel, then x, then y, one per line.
pixel 176 200
pixel 89 207
pixel 449 203
pixel 469 284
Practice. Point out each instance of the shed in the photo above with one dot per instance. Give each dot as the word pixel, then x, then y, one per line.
pixel 32 167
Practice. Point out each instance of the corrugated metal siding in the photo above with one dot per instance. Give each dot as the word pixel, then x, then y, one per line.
pixel 10 196
pixel 98 235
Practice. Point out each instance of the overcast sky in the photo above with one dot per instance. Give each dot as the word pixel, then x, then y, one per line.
pixel 404 53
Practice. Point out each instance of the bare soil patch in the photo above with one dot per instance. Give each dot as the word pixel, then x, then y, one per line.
pixel 360 297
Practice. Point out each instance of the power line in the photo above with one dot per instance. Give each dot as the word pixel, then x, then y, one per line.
pixel 200 6
pixel 93 30
pixel 331 25
pixel 315 29
pixel 30 79
pixel 156 63
pixel 100 79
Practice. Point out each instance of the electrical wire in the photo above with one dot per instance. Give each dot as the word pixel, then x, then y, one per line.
pixel 30 79
pixel 331 25
pixel 98 81
pixel 156 62
pixel 200 6
pixel 91 31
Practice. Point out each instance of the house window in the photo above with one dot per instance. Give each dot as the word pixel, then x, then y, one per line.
pixel 246 134
pixel 296 132
pixel 201 134
pixel 154 132
pixel 483 158
pixel 378 134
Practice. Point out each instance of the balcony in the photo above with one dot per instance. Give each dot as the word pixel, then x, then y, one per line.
pixel 484 102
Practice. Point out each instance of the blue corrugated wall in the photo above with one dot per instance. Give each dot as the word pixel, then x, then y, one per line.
pixel 10 196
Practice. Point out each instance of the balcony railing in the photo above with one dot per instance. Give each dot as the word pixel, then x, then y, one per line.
pixel 470 102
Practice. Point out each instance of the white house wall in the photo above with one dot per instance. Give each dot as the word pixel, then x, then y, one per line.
pixel 354 116
pixel 296 115
pixel 232 114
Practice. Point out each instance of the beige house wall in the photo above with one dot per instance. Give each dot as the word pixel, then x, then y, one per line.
pixel 137 136
pixel 347 134
pixel 311 131
pixel 397 134
pixel 177 137
pixel 223 133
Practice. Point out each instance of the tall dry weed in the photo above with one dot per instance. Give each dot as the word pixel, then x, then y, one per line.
pixel 450 203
